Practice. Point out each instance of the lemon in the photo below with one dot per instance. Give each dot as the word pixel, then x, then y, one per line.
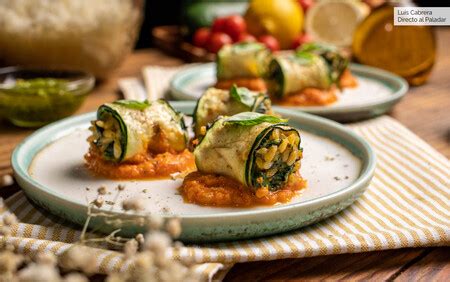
pixel 334 21
pixel 281 19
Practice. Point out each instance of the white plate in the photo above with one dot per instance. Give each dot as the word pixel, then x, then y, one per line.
pixel 377 92
pixel 337 164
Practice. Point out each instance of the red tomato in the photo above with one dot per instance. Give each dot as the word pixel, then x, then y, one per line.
pixel 234 26
pixel 270 41
pixel 306 4
pixel 218 25
pixel 201 36
pixel 299 40
pixel 217 40
pixel 246 37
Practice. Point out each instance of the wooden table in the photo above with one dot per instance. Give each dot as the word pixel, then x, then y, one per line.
pixel 425 110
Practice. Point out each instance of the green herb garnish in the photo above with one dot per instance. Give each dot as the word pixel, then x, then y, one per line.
pixel 252 118
pixel 132 104
pixel 243 96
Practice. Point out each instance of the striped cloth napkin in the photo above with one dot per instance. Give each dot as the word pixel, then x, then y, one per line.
pixel 154 84
pixel 406 205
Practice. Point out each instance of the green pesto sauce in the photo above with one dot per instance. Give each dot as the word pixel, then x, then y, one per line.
pixel 35 102
pixel 40 86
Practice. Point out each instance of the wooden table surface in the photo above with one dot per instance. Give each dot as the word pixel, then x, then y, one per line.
pixel 425 110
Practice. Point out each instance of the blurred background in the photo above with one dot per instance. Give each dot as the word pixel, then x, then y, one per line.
pixel 83 40
pixel 159 13
pixel 363 28
pixel 97 35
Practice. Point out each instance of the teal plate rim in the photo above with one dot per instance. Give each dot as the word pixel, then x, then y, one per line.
pixel 24 153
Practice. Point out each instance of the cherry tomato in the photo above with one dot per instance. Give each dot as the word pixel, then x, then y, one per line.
pixel 270 42
pixel 218 25
pixel 217 40
pixel 306 4
pixel 246 37
pixel 201 37
pixel 234 26
pixel 299 40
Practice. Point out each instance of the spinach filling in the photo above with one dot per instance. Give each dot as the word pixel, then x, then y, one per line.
pixel 276 174
pixel 108 116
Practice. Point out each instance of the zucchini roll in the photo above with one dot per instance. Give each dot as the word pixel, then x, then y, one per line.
pixel 312 66
pixel 126 128
pixel 242 60
pixel 216 102
pixel 292 74
pixel 337 63
pixel 259 151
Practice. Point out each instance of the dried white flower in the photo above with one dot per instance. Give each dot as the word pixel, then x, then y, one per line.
pixel 102 190
pixel 140 221
pixel 115 277
pixel 174 271
pixel 39 272
pixel 151 263
pixel 157 242
pixel 116 222
pixel 178 245
pixel 135 204
pixel 162 261
pixel 9 219
pixel 130 248
pixel 46 258
pixel 143 260
pixel 147 274
pixel 9 261
pixel 10 247
pixel 6 180
pixel 98 202
pixel 173 227
pixel 155 222
pixel 79 257
pixel 140 238
pixel 75 277
pixel 5 230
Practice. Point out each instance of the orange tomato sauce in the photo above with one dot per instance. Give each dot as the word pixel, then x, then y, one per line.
pixel 309 97
pixel 221 191
pixel 348 80
pixel 318 97
pixel 254 84
pixel 143 166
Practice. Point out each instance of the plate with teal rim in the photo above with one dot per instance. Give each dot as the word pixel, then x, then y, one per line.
pixel 338 165
pixel 377 92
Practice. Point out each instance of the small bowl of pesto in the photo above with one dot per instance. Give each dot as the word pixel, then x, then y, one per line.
pixel 33 98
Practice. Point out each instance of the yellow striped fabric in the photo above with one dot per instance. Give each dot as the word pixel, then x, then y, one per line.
pixel 406 205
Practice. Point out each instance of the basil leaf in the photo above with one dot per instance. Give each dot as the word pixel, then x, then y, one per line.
pixel 243 96
pixel 309 47
pixel 133 104
pixel 247 46
pixel 252 118
pixel 315 48
pixel 304 57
